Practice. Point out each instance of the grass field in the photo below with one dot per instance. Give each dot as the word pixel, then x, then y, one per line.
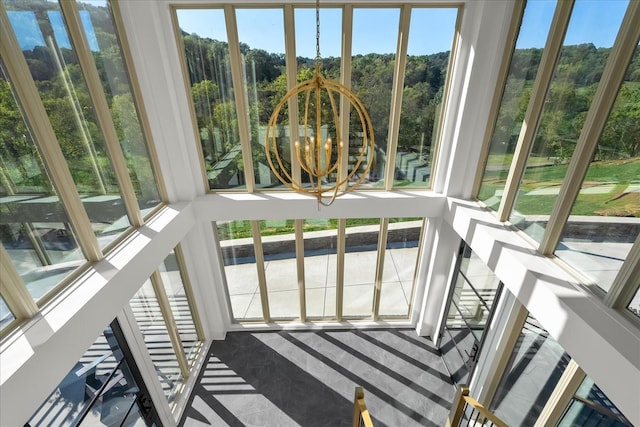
pixel 242 229
pixel 617 173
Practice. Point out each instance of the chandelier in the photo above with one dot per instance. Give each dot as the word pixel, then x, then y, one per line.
pixel 330 165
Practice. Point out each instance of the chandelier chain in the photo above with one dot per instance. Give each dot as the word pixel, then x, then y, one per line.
pixel 317 31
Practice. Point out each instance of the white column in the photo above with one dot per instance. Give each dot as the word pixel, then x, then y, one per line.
pixel 444 248
pixel 155 53
pixel 204 267
pixel 484 28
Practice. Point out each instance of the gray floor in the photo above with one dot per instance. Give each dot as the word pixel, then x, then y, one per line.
pixel 307 378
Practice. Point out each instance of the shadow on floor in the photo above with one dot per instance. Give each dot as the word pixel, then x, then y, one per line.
pixel 307 378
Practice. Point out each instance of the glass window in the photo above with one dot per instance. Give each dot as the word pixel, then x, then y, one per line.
pixel 532 373
pixel 320 267
pixel 261 35
pixel 55 69
pixel 577 74
pixel 99 27
pixel 523 69
pixel 360 260
pixel 181 306
pixel 423 93
pixel 240 269
pixel 331 56
pixel 99 390
pixel 372 67
pixel 34 227
pixel 475 291
pixel 6 316
pixel 634 305
pixel 281 271
pixel 153 327
pixel 330 42
pixel 605 218
pixel 400 261
pixel 591 407
pixel 206 55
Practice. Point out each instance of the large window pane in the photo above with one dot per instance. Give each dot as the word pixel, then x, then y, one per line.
pixel 423 93
pixel 55 69
pixel 98 24
pixel 532 373
pixel 34 227
pixel 400 261
pixel 320 267
pixel 472 300
pixel 174 286
pixel 605 219
pixel 99 390
pixel 361 249
pixel 6 316
pixel 240 269
pixel 574 83
pixel 261 34
pixel 634 305
pixel 372 66
pixel 523 69
pixel 206 54
pixel 279 249
pixel 153 327
pixel 330 41
pixel 591 407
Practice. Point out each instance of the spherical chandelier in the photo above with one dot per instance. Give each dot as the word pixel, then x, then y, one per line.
pixel 332 168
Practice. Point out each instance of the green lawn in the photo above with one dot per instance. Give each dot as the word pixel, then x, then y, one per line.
pixel 242 229
pixel 614 203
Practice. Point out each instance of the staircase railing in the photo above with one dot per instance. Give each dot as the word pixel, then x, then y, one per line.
pixel 466 411
pixel 361 417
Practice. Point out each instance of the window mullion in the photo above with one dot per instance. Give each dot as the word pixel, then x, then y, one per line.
pixel 170 321
pixel 536 103
pixel 13 289
pixel 382 244
pixel 516 317
pixel 292 79
pixel 45 139
pixel 299 230
pixel 136 342
pixel 561 397
pixel 340 249
pixel 626 283
pixel 345 79
pixel 514 29
pixel 186 283
pixel 96 92
pixel 262 277
pixel 603 100
pixel 127 60
pixel 396 95
pixel 37 243
pixel 240 90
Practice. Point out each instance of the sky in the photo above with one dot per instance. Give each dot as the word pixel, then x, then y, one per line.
pixel 25 26
pixel 591 21
pixel 375 29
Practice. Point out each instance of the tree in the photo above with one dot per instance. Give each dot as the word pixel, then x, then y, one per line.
pixel 621 136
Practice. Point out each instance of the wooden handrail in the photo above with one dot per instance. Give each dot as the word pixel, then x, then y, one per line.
pixel 361 415
pixel 461 402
